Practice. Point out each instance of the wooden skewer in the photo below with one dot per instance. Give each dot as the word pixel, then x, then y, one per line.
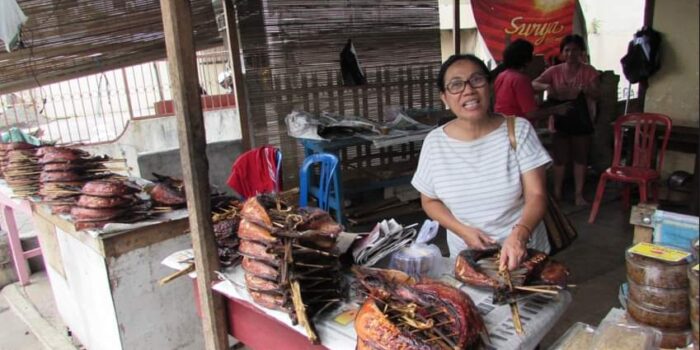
pixel 538 290
pixel 552 286
pixel 517 323
pixel 61 192
pixel 177 274
pixel 301 312
pixel 163 208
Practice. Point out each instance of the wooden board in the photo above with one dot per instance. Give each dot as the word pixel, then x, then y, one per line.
pixel 179 43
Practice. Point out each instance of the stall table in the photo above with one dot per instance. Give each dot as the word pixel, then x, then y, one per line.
pixel 261 328
pixel 106 285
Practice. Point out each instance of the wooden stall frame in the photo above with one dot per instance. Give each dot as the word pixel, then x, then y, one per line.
pixel 239 87
pixel 179 43
pixel 456 29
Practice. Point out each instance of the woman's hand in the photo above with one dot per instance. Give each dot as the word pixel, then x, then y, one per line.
pixel 474 238
pixel 514 249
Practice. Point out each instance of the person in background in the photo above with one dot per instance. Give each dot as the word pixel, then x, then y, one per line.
pixel 565 82
pixel 513 88
pixel 472 181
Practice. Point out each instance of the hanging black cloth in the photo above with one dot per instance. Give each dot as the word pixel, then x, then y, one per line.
pixel 350 66
pixel 643 57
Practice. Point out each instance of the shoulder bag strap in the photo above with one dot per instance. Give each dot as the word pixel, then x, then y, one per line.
pixel 510 123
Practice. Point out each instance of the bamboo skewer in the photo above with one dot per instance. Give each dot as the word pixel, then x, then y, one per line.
pixel 301 312
pixel 537 290
pixel 517 323
pixel 169 278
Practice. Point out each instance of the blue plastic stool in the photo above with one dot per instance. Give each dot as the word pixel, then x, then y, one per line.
pixel 327 191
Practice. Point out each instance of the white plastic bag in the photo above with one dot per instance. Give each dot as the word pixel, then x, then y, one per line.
pixel 11 20
pixel 419 258
pixel 302 125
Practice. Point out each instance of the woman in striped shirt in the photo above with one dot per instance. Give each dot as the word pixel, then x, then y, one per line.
pixel 472 181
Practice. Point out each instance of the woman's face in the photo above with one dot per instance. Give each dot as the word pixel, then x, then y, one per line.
pixel 572 53
pixel 467 91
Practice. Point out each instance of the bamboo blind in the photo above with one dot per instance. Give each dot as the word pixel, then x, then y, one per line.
pixel 291 52
pixel 72 38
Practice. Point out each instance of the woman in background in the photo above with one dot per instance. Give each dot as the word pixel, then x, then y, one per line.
pixel 569 81
pixel 513 88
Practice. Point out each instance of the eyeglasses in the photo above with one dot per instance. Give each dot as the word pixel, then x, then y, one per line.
pixel 457 86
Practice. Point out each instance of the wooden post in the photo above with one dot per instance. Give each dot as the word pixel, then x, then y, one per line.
pixel 239 88
pixel 648 22
pixel 456 29
pixel 179 42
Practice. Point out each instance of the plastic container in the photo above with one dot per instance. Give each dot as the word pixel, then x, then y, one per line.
pixel 656 273
pixel 693 281
pixel 577 337
pixel 419 258
pixel 658 299
pixel 675 320
pixel 675 339
pixel 620 336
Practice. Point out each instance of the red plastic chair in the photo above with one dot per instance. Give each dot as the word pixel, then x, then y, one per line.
pixel 644 152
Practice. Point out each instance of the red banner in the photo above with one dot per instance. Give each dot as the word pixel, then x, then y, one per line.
pixel 542 22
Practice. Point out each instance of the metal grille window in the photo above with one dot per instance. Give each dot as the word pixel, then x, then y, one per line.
pixel 98 107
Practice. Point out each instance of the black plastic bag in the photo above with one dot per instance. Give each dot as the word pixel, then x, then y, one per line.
pixel 577 121
pixel 350 66
pixel 643 57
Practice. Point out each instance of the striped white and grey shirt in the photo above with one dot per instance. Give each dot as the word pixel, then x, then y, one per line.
pixel 479 181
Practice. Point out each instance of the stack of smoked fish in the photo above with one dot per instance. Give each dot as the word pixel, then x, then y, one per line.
pixel 226 219
pixel 64 171
pixel 288 258
pixel 106 201
pixel 20 168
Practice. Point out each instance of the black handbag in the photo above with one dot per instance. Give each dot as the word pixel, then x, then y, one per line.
pixel 577 121
pixel 560 232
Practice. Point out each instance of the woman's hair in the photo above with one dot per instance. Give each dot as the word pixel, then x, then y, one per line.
pixel 572 39
pixel 455 58
pixel 516 55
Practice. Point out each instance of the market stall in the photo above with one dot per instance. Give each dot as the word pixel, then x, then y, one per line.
pixel 290 280
pixel 250 322
pixel 106 286
pixel 102 235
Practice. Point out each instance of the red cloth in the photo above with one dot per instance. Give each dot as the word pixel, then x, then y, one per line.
pixel 514 94
pixel 255 172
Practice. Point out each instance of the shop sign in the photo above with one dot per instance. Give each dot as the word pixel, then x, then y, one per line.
pixel 542 22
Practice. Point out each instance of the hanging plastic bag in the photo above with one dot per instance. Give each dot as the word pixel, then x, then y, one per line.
pixel 11 20
pixel 420 258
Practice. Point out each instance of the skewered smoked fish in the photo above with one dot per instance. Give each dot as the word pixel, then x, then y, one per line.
pixel 479 268
pixel 95 202
pixel 81 214
pixel 167 195
pixel 288 260
pixel 109 188
pixel 60 176
pixel 413 315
